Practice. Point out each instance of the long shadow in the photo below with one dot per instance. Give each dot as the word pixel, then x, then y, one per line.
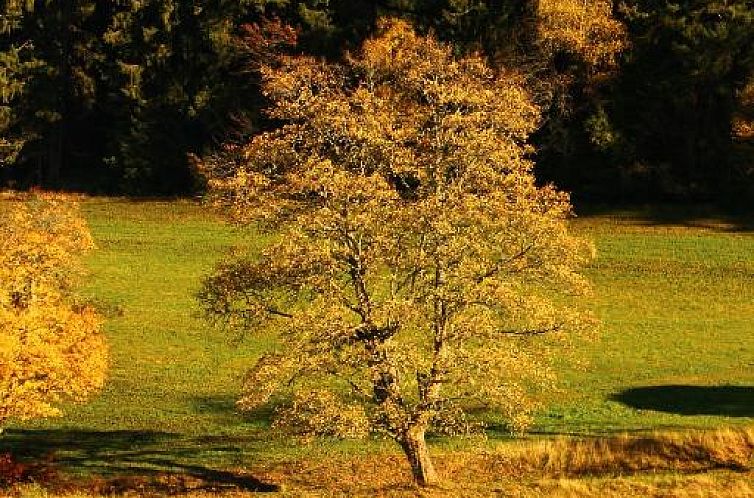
pixel 220 405
pixel 147 457
pixel 226 406
pixel 728 401
pixel 678 214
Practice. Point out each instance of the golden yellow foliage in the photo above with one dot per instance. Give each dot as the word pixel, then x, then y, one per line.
pixel 584 28
pixel 51 349
pixel 322 413
pixel 419 260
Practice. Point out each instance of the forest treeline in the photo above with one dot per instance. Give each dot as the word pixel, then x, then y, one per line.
pixel 111 96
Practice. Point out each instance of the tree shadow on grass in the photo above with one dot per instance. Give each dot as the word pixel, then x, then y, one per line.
pixel 727 401
pixel 703 216
pixel 225 406
pixel 222 405
pixel 157 462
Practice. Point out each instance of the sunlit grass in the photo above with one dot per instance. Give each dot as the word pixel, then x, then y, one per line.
pixel 675 295
pixel 676 299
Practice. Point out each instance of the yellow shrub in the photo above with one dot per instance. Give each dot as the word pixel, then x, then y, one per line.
pixel 51 349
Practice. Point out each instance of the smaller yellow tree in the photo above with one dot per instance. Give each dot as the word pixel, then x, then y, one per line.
pixel 419 263
pixel 51 349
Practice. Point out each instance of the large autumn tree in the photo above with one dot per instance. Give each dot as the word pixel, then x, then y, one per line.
pixel 418 261
pixel 51 348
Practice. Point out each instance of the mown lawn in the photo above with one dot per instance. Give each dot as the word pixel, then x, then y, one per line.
pixel 674 291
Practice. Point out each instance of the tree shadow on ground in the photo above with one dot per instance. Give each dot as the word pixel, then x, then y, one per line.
pixel 157 462
pixel 727 401
pixel 220 405
pixel 225 406
pixel 703 216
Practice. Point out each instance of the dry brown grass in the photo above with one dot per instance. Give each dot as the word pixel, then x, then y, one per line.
pixel 694 451
pixel 723 485
pixel 683 465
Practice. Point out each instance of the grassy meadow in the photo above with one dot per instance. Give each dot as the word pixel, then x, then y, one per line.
pixel 673 288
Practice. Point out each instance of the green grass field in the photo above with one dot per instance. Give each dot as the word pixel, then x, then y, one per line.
pixel 674 291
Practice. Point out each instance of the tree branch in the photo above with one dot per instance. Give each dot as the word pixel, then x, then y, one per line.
pixel 501 264
pixel 531 332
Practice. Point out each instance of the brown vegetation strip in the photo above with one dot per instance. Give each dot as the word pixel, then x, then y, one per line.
pixel 684 464
pixel 574 463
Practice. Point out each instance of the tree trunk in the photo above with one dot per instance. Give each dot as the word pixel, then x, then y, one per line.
pixel 415 447
pixel 55 156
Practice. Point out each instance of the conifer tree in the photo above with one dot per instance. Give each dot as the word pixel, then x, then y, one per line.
pixel 51 54
pixel 181 74
pixel 16 65
pixel 680 90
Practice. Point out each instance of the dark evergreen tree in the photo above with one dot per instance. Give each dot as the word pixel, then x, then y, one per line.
pixel 116 96
pixel 52 55
pixel 175 79
pixel 679 91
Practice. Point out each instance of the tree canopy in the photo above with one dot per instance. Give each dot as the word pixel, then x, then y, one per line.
pixel 51 348
pixel 418 261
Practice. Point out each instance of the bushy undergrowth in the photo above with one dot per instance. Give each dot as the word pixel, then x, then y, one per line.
pixel 14 472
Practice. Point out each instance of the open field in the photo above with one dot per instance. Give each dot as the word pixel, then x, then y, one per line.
pixel 674 291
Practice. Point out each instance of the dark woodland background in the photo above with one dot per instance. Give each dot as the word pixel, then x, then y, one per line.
pixel 114 97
